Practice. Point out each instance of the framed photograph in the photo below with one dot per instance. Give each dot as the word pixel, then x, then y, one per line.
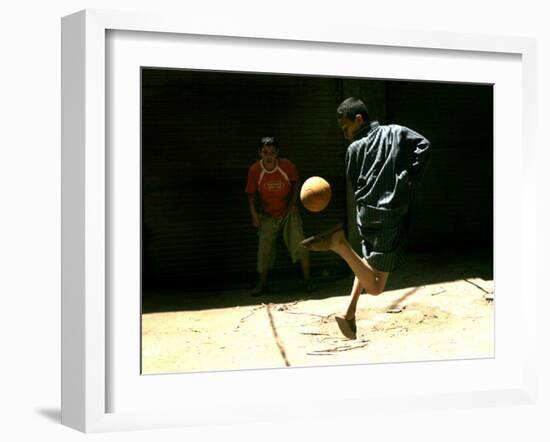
pixel 176 309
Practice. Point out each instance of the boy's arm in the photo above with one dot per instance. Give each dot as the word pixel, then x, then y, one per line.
pixel 253 212
pixel 293 206
pixel 351 169
pixel 421 149
pixel 251 191
pixel 294 178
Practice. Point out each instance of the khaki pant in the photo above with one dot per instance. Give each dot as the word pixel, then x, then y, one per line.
pixel 293 234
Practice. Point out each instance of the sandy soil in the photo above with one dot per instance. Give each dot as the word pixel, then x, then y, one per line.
pixel 448 314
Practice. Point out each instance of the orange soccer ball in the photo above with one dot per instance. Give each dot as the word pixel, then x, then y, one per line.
pixel 315 194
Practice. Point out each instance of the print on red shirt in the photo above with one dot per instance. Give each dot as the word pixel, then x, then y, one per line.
pixel 274 187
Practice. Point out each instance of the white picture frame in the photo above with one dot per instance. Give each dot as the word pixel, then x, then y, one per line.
pixel 87 359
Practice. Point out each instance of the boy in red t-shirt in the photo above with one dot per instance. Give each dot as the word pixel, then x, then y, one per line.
pixel 276 183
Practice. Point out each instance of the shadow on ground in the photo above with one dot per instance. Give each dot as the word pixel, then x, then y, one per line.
pixel 419 269
pixel 51 414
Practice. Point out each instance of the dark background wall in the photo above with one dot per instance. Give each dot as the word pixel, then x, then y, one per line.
pixel 199 135
pixel 454 205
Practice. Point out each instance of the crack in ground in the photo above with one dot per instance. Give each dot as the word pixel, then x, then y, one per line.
pixel 276 336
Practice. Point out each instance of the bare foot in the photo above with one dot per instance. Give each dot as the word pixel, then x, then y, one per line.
pixel 328 240
pixel 347 326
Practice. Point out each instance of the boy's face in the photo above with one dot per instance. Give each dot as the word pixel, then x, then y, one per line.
pixel 268 154
pixel 350 127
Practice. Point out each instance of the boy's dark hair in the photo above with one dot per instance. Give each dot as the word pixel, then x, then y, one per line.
pixel 350 107
pixel 271 141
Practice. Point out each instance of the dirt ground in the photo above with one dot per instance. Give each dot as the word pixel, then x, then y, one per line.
pixel 437 307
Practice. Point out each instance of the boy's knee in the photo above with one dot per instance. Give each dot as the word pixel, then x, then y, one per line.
pixel 376 291
pixel 379 286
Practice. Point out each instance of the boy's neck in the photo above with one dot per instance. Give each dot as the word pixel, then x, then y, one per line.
pixel 362 130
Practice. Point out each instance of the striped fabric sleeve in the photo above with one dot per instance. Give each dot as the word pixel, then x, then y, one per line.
pixel 420 148
pixel 351 167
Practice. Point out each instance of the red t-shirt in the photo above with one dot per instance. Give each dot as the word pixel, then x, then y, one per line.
pixel 274 187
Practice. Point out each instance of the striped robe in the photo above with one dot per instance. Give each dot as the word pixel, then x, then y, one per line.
pixel 381 163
